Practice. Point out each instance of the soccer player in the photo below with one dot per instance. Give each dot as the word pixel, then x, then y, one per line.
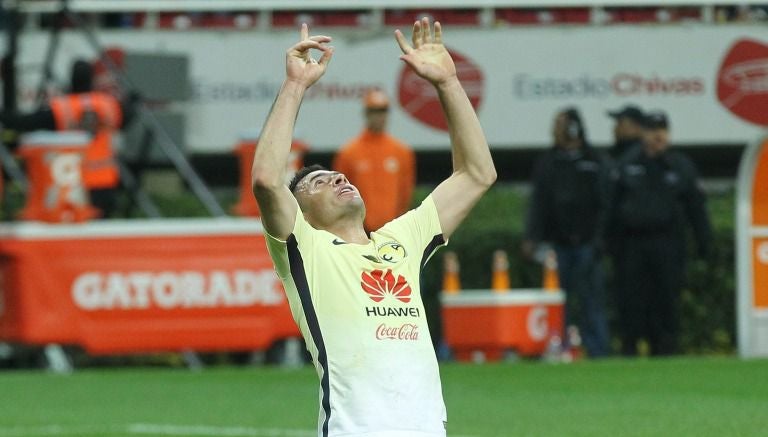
pixel 354 296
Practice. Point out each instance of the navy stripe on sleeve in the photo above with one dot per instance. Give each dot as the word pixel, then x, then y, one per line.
pixel 436 242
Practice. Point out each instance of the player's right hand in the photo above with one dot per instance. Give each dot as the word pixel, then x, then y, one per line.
pixel 427 56
pixel 300 67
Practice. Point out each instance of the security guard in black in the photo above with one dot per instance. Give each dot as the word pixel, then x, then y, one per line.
pixel 654 197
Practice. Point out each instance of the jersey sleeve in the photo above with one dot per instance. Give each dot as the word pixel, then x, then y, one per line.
pixel 278 249
pixel 419 228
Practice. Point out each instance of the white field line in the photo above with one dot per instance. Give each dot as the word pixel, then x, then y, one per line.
pixel 50 430
pixel 215 431
pixel 150 429
pixel 155 429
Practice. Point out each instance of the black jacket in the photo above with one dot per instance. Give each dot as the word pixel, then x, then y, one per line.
pixel 621 148
pixel 568 198
pixel 658 195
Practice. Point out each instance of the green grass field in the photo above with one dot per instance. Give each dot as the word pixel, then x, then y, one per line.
pixel 674 397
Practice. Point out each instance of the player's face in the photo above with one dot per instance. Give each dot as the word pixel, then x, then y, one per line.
pixel 324 191
pixel 321 181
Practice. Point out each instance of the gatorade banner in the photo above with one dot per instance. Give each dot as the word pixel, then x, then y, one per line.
pixel 516 77
pixel 752 251
pixel 141 285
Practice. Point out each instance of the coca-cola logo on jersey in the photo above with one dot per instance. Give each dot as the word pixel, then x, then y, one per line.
pixel 406 331
pixel 742 82
pixel 419 98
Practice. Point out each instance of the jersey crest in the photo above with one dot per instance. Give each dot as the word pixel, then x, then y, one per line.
pixel 391 252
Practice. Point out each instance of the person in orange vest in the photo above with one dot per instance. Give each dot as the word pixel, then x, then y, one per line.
pixel 382 167
pixel 84 109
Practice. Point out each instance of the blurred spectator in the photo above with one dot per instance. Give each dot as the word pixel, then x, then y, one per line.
pixel 566 209
pixel 380 166
pixel 95 112
pixel 628 135
pixel 654 190
pixel 627 130
pixel 741 13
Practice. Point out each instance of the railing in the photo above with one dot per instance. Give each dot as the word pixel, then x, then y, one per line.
pixel 374 14
pixel 95 6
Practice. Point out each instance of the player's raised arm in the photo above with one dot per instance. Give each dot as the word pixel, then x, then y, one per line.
pixel 473 170
pixel 277 204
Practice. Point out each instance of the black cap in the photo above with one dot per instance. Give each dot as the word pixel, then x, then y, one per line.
pixel 631 112
pixel 656 120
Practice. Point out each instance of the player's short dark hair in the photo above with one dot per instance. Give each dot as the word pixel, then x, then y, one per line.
pixel 302 173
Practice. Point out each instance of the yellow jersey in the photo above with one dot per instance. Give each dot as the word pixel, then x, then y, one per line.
pixel 360 311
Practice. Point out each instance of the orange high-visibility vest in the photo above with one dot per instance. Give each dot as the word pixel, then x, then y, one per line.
pixel 384 171
pixel 99 114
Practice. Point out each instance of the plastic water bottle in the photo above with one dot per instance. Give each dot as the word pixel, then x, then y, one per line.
pixel 554 351
pixel 575 350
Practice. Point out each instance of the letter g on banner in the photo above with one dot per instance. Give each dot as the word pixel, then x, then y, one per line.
pixel 537 323
pixel 86 291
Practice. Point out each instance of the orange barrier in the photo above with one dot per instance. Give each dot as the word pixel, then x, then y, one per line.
pixel 760 242
pixel 493 324
pixel 246 205
pixel 56 191
pixel 752 251
pixel 117 287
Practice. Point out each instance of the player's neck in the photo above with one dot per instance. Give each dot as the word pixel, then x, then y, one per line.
pixel 351 231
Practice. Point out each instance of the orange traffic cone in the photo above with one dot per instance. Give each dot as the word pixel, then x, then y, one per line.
pixel 551 281
pixel 451 283
pixel 500 274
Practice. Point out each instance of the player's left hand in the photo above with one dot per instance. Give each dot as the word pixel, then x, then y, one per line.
pixel 300 66
pixel 428 56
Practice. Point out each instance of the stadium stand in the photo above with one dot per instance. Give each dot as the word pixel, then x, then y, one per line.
pixel 238 14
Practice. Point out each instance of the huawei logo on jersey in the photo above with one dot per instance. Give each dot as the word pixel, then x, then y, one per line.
pixel 379 284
